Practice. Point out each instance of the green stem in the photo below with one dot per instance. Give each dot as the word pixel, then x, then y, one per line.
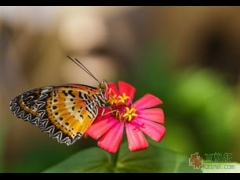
pixel 114 158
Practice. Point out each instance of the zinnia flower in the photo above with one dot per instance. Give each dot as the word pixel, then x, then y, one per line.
pixel 137 118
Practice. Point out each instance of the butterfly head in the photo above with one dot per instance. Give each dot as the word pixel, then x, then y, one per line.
pixel 103 86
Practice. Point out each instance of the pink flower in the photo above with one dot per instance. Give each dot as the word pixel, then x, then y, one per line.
pixel 137 118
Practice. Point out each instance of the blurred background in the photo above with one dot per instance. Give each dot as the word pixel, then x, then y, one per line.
pixel 187 56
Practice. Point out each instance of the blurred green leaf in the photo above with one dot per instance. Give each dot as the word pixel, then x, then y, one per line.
pixel 206 102
pixel 153 159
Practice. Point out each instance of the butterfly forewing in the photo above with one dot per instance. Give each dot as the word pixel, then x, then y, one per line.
pixel 64 111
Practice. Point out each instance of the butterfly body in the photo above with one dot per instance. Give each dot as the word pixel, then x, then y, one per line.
pixel 63 111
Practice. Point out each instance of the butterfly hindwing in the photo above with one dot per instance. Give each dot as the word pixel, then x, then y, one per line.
pixel 64 111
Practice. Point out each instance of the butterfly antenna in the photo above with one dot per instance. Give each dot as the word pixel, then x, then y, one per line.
pixel 78 63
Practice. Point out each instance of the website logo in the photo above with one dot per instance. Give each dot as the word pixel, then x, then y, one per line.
pixel 215 160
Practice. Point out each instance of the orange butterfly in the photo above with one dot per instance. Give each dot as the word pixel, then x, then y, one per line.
pixel 66 111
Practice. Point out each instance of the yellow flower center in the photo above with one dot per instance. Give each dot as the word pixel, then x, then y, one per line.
pixel 116 100
pixel 120 108
pixel 123 98
pixel 125 114
pixel 130 113
pixel 112 99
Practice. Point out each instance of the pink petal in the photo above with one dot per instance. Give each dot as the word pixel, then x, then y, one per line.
pixel 101 126
pixel 154 130
pixel 147 101
pixel 153 114
pixel 113 88
pixel 111 140
pixel 136 139
pixel 126 88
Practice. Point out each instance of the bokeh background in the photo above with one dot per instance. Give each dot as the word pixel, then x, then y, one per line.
pixel 187 56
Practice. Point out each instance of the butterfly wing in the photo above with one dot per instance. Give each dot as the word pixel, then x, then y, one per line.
pixel 64 112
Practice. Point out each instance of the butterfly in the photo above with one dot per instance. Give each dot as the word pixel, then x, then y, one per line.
pixel 64 112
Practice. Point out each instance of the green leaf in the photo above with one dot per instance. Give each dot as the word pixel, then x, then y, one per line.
pixel 88 160
pixel 153 159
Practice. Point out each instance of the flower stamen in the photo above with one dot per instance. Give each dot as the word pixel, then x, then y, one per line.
pixel 112 99
pixel 123 98
pixel 130 113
